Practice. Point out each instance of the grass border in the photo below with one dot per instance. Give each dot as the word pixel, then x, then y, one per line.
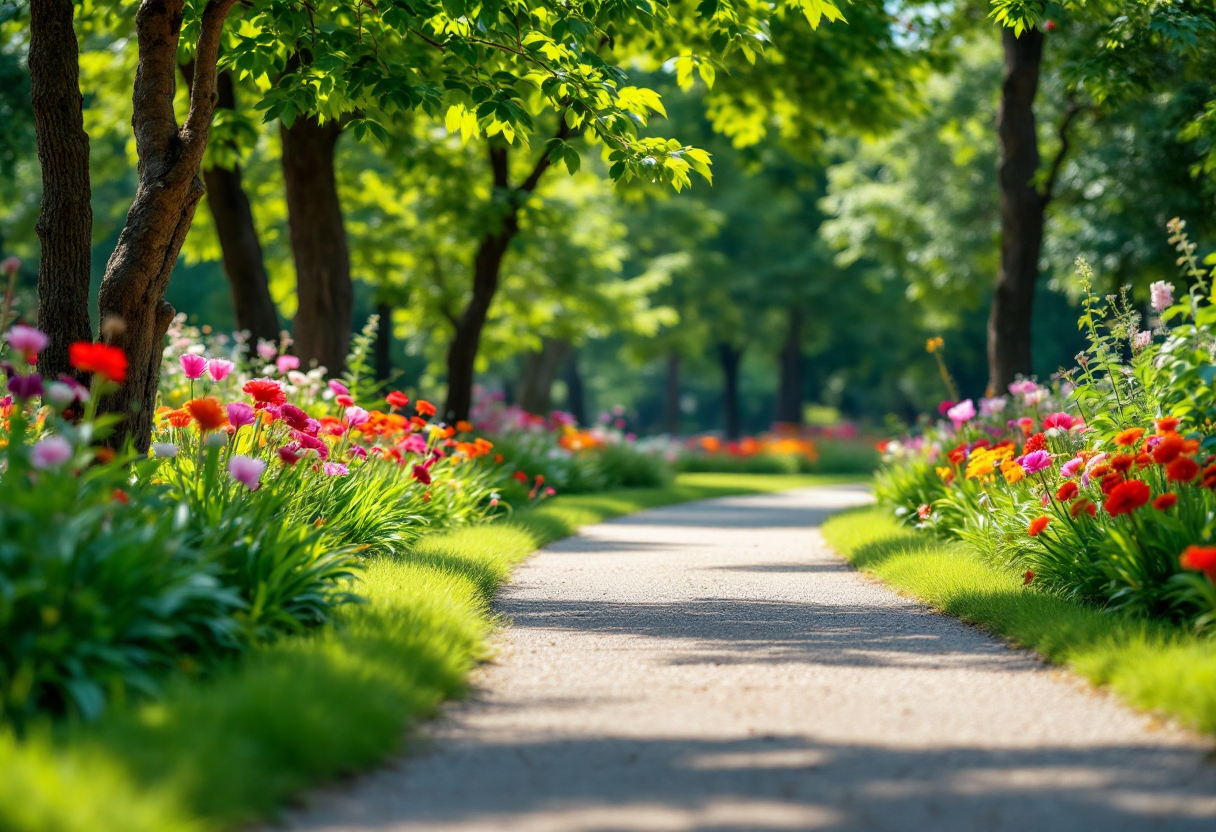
pixel 1153 665
pixel 231 749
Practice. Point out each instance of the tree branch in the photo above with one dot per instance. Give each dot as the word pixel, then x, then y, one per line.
pixel 203 95
pixel 1072 110
pixel 542 164
pixel 158 25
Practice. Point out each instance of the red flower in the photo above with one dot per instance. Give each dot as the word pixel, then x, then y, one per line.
pixel 120 496
pixel 1083 506
pixel 265 391
pixel 957 455
pixel 1123 463
pixel 1127 497
pixel 1027 425
pixel 397 399
pixel 1166 501
pixel 1209 477
pixel 1027 578
pixel 1067 491
pixel 102 359
pixel 1172 446
pixel 520 476
pixel 1037 442
pixel 208 412
pixel 1167 425
pixel 924 511
pixel 424 408
pixel 417 422
pixel 1129 437
pixel 422 475
pixel 1201 559
pixel 1182 469
pixel 1037 525
pixel 1110 481
pixel 345 400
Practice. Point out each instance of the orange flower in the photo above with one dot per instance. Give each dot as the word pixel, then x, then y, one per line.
pixel 1037 525
pixel 424 408
pixel 177 418
pixel 464 427
pixel 1083 506
pixel 1172 446
pixel 1166 501
pixel 1126 497
pixel 1129 437
pixel 1201 559
pixel 1169 424
pixel 1123 463
pixel 101 359
pixel 1182 469
pixel 208 412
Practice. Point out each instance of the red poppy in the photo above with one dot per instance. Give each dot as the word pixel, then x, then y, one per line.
pixel 1166 501
pixel 1110 481
pixel 1038 442
pixel 101 359
pixel 520 476
pixel 397 399
pixel 265 391
pixel 1127 497
pixel 1182 469
pixel 1201 559
pixel 1067 491
pixel 1129 437
pixel 1037 525
pixel 1172 446
pixel 208 412
pixel 1083 506
pixel 422 475
pixel 424 408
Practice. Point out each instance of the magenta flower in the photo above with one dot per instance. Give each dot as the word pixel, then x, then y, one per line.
pixel 1069 469
pixel 287 362
pixel 356 416
pixel 358 452
pixel 50 452
pixel 25 387
pixel 247 471
pixel 27 340
pixel 1021 388
pixel 194 365
pixel 336 469
pixel 961 413
pixel 297 419
pixel 240 414
pixel 311 443
pixel 415 443
pixel 291 453
pixel 221 368
pixel 338 388
pixel 1033 463
pixel 313 427
pixel 1062 421
pixel 1162 295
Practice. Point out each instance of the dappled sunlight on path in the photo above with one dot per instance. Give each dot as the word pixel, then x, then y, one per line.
pixel 713 666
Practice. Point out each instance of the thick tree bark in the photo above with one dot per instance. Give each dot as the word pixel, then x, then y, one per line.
pixel 671 399
pixel 462 352
pixel 789 393
pixel 324 318
pixel 730 358
pixel 134 314
pixel 540 371
pixel 65 220
pixel 1022 211
pixel 252 306
pixel 384 342
pixel 576 395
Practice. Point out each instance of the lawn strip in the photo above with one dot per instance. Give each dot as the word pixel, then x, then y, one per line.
pixel 222 752
pixel 1151 664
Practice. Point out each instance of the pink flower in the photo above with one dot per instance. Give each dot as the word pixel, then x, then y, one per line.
pixel 286 363
pixel 356 416
pixel 1021 388
pixel 247 471
pixel 962 413
pixel 422 474
pixel 311 443
pixel 336 469
pixel 240 414
pixel 1162 295
pixel 194 365
pixel 1063 421
pixel 415 443
pixel 293 416
pixel 10 265
pixel 50 452
pixel 1034 462
pixel 338 388
pixel 993 406
pixel 27 340
pixel 267 350
pixel 1069 469
pixel 1142 340
pixel 358 452
pixel 291 453
pixel 221 368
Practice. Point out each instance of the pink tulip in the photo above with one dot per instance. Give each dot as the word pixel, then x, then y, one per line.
pixel 221 368
pixel 194 365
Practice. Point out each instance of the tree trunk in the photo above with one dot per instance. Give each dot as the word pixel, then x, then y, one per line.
pixel 671 401
pixel 576 396
pixel 789 394
pixel 134 314
pixel 244 264
pixel 384 342
pixel 65 221
pixel 1022 208
pixel 324 318
pixel 730 358
pixel 540 371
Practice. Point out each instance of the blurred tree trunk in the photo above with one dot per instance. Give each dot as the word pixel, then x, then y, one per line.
pixel 540 371
pixel 65 220
pixel 244 264
pixel 671 403
pixel 576 395
pixel 322 328
pixel 1022 211
pixel 384 342
pixel 789 393
pixel 134 314
pixel 730 358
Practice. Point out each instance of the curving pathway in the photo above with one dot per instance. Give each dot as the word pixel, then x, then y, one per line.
pixel 713 666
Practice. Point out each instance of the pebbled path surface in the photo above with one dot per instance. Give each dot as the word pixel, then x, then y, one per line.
pixel 714 666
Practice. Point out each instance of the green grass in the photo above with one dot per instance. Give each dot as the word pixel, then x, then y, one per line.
pixel 218 753
pixel 1151 664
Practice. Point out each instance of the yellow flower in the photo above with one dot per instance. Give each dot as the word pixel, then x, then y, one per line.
pixel 1012 471
pixel 934 344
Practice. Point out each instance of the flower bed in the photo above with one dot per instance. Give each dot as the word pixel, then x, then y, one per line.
pixel 1101 487
pixel 785 450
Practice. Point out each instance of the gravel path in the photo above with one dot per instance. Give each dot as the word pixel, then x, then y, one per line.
pixel 714 666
